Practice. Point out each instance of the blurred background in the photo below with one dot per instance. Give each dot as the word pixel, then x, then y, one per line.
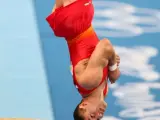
pixel 35 78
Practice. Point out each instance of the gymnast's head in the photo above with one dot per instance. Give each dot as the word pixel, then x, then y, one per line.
pixel 87 110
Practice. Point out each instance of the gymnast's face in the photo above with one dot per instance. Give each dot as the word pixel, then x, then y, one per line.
pixel 93 111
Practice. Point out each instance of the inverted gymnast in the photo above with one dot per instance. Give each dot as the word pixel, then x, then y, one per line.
pixel 93 60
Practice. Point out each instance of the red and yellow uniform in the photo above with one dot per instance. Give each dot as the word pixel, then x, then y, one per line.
pixel 73 22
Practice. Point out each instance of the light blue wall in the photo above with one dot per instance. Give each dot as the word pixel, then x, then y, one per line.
pixel 24 90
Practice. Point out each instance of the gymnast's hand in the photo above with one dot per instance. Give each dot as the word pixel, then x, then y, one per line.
pixel 117 59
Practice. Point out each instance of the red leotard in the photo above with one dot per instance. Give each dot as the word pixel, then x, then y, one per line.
pixel 73 22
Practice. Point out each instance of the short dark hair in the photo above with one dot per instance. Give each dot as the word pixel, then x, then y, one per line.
pixel 77 113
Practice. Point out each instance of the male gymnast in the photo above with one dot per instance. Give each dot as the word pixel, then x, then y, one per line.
pixel 93 60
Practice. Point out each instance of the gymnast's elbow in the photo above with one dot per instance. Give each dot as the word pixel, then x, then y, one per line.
pixel 114 75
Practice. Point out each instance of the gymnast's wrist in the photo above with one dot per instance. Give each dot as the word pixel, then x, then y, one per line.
pixel 113 67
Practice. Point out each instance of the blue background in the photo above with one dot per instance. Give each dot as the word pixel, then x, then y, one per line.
pixel 35 75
